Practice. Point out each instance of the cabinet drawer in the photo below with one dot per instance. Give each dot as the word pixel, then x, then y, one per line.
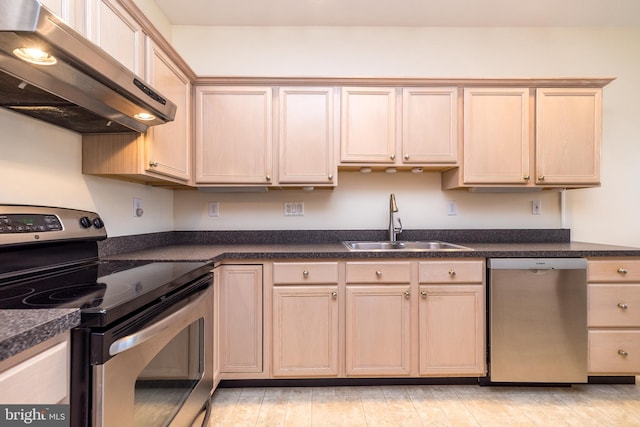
pixel 614 270
pixel 302 273
pixel 451 272
pixel 378 272
pixel 614 305
pixel 614 352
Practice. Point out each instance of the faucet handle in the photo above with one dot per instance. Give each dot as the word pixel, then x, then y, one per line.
pixel 398 229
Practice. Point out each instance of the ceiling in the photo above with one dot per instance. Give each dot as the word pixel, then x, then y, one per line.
pixel 449 13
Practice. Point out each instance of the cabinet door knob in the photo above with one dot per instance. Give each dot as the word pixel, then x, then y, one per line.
pixel 406 157
pixel 407 294
pixel 392 157
pixel 526 177
pixel 153 164
pixel 541 178
pixel 623 353
pixel 334 294
pixel 622 270
pixel 423 293
pixel 452 273
pixel 379 273
pixel 268 177
pixel 305 274
pixel 330 177
pixel 623 306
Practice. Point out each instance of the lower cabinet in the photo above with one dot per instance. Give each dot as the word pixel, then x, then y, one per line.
pixel 360 319
pixel 452 318
pixel 39 375
pixel 305 319
pixel 613 316
pixel 240 334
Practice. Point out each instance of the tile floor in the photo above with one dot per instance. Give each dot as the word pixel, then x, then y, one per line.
pixel 428 405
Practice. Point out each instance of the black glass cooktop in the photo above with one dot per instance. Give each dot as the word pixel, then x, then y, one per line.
pixel 104 291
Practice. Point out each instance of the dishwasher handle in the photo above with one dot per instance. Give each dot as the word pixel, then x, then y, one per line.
pixel 537 264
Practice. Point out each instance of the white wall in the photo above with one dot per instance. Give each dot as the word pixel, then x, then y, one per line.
pixel 41 164
pixel 606 214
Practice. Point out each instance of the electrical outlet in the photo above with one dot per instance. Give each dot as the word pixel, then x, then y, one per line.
pixel 536 207
pixel 452 208
pixel 293 208
pixel 137 207
pixel 214 209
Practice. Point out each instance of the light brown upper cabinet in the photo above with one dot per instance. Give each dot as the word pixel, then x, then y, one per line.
pixel 117 32
pixel 568 136
pixel 72 12
pixel 306 136
pixel 233 135
pixel 496 136
pixel 168 147
pixel 525 137
pixel 430 126
pixel 368 126
pixel 161 156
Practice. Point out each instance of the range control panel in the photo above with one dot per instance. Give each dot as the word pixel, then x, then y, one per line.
pixel 24 223
pixel 21 224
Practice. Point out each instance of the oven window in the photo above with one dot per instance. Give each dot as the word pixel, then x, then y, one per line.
pixel 166 382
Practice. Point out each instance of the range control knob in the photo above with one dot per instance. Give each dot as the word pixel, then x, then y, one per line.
pixel 85 222
pixel 98 223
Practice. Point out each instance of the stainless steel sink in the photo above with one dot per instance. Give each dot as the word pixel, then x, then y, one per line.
pixel 403 246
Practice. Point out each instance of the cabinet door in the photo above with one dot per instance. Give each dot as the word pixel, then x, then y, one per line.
pixel 241 318
pixel 73 12
pixel 118 33
pixel 568 135
pixel 368 126
pixel 305 331
pixel 378 330
pixel 168 147
pixel 430 125
pixel 217 371
pixel 496 136
pixel 452 330
pixel 306 136
pixel 233 135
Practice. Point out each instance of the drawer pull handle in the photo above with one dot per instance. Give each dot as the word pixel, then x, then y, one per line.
pixel 334 295
pixel 623 353
pixel 379 273
pixel 452 273
pixel 407 294
pixel 623 306
pixel 622 270
pixel 423 293
pixel 305 274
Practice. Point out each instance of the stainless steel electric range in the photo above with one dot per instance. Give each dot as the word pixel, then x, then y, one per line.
pixel 142 354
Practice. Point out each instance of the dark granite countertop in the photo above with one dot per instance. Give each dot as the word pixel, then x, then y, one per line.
pixel 23 329
pixel 221 252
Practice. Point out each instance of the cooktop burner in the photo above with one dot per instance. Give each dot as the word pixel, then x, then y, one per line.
pixel 104 291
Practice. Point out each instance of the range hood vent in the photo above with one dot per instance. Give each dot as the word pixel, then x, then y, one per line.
pixel 85 90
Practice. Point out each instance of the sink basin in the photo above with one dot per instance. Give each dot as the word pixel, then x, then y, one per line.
pixel 403 246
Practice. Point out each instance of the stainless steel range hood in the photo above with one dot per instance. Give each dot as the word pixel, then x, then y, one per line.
pixel 85 90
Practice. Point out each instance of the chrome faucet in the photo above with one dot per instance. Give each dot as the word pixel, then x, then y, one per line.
pixel 393 210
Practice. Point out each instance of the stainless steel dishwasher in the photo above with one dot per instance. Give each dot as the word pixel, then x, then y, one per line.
pixel 537 320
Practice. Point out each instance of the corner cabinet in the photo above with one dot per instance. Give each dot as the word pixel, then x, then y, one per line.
pixel 306 136
pixel 240 321
pixel 233 135
pixel 161 156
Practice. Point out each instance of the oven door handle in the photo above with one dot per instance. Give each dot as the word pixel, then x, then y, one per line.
pixel 130 341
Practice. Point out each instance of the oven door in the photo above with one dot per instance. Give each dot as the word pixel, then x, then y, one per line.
pixel 161 374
